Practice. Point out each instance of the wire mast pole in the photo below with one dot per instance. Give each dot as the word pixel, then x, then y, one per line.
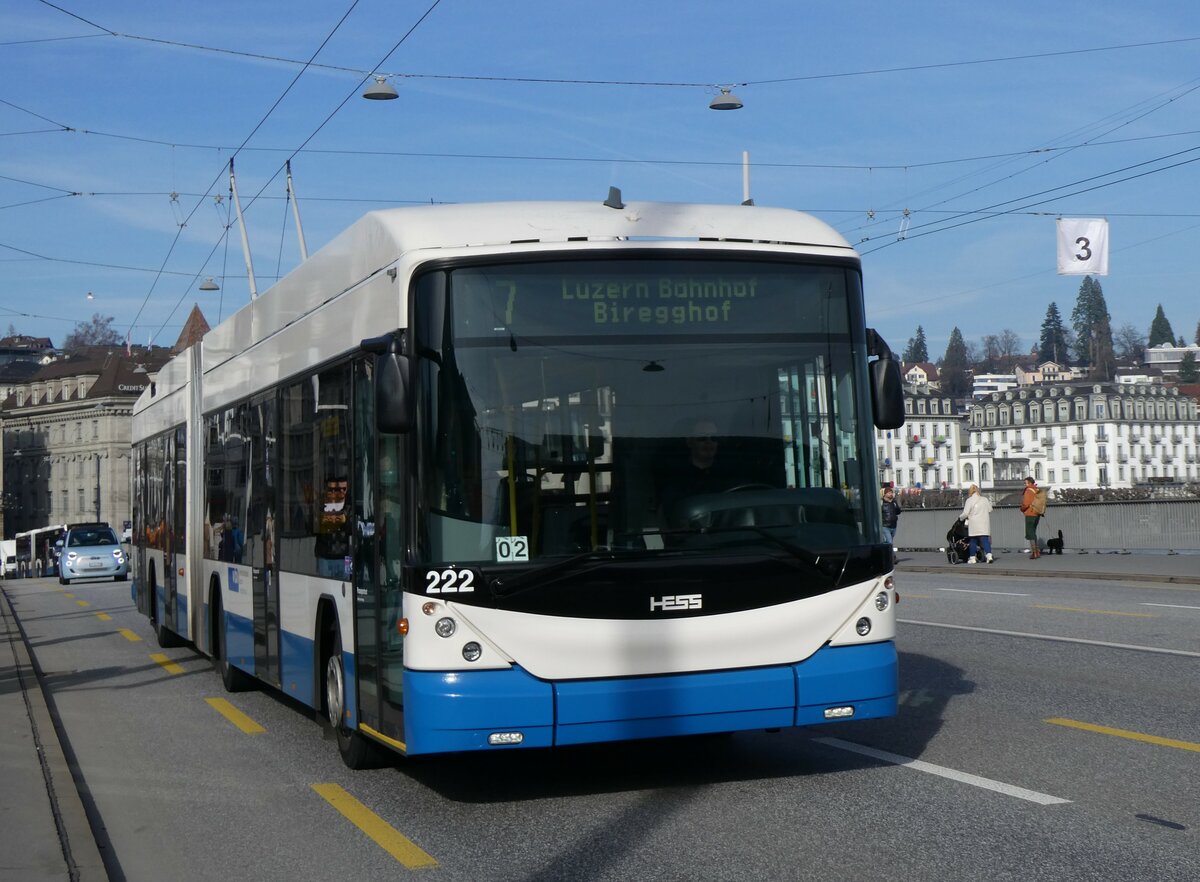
pixel 237 203
pixel 296 212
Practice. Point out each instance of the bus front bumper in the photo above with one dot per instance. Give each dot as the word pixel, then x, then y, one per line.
pixel 481 710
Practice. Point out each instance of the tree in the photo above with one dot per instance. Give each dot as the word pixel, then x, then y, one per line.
pixel 1160 330
pixel 1188 372
pixel 989 361
pixel 1052 345
pixel 1197 333
pixel 916 349
pixel 1129 343
pixel 97 332
pixel 956 376
pixel 1103 363
pixel 1089 313
pixel 1010 346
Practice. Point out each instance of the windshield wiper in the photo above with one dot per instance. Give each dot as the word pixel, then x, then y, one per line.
pixel 796 551
pixel 504 586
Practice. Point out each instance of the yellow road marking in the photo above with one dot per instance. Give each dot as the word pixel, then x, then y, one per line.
pixel 129 635
pixel 399 745
pixel 235 716
pixel 169 666
pixel 104 617
pixel 83 603
pixel 66 593
pixel 1097 612
pixel 1125 733
pixel 386 837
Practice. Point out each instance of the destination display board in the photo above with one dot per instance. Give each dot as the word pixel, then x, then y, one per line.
pixel 643 297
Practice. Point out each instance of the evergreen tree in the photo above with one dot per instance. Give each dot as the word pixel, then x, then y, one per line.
pixel 1197 333
pixel 1188 372
pixel 1086 318
pixel 1160 330
pixel 1103 363
pixel 1052 346
pixel 916 349
pixel 956 376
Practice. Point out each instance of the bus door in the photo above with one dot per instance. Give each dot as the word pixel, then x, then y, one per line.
pixel 260 538
pixel 174 507
pixel 138 539
pixel 378 558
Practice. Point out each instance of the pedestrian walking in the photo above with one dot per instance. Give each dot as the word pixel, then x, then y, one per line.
pixel 1029 500
pixel 891 515
pixel 977 515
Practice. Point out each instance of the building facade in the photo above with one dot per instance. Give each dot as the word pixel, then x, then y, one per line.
pixel 1083 435
pixel 1073 435
pixel 66 434
pixel 923 454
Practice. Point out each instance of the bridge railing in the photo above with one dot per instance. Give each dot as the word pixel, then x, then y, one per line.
pixel 1158 525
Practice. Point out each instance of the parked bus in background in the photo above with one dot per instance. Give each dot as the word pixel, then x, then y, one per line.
pixel 8 558
pixel 36 553
pixel 434 483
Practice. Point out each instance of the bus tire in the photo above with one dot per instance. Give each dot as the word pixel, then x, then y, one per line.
pixel 164 636
pixel 234 679
pixel 356 750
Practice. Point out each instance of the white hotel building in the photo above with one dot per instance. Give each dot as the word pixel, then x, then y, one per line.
pixel 1076 435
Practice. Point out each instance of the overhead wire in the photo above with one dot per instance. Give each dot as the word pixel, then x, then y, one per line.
pixel 1030 56
pixel 259 125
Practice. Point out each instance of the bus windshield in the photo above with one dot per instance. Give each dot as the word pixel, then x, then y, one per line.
pixel 646 405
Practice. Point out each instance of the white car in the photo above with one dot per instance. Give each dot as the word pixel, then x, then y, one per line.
pixel 91 551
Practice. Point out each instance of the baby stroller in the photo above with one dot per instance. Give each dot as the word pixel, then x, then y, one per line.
pixel 957 544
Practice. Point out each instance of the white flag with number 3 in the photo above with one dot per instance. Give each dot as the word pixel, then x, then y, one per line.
pixel 1082 246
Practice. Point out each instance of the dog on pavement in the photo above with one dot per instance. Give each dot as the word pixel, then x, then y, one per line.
pixel 1055 545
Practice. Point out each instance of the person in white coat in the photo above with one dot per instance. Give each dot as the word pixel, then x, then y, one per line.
pixel 977 515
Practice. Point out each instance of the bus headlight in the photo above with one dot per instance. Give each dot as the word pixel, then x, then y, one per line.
pixel 472 651
pixel 445 626
pixel 882 601
pixel 863 626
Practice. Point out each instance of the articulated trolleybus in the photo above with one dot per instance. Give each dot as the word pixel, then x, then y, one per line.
pixel 519 475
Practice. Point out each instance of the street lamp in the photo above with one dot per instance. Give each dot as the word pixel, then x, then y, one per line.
pixel 97 488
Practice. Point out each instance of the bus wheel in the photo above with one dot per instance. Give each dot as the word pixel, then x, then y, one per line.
pixel 165 636
pixel 232 678
pixel 356 750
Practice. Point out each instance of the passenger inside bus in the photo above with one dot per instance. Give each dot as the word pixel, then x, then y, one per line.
pixel 333 531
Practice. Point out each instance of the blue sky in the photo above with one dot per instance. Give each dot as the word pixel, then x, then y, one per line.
pixel 854 111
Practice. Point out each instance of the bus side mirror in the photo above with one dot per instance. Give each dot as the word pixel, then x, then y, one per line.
pixel 887 393
pixel 392 371
pixel 887 385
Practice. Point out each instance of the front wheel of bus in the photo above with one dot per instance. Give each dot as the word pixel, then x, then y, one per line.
pixel 357 752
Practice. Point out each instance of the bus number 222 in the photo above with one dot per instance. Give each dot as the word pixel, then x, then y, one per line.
pixel 449 581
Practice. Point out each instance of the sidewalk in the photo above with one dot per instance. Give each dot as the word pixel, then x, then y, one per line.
pixel 1183 569
pixel 44 831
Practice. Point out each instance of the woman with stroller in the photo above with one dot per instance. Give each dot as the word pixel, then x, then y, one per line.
pixel 977 515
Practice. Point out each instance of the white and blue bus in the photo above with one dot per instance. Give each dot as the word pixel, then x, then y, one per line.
pixel 519 475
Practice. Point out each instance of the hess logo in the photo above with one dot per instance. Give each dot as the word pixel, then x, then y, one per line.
pixel 675 602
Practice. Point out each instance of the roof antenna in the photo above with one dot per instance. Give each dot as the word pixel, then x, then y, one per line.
pixel 614 198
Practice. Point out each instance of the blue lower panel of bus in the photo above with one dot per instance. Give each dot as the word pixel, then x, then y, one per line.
pixel 454 712
pixel 296 671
